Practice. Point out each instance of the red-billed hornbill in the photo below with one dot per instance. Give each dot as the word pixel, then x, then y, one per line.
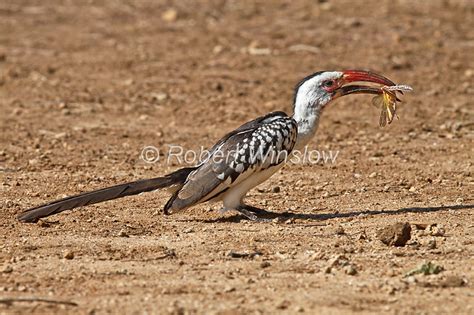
pixel 240 160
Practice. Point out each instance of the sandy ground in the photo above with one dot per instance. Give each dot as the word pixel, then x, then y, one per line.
pixel 86 85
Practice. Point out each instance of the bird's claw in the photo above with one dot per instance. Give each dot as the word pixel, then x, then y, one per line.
pixel 249 213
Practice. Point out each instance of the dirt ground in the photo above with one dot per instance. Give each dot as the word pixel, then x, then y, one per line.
pixel 86 85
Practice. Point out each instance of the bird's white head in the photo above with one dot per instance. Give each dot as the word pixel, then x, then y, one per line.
pixel 316 91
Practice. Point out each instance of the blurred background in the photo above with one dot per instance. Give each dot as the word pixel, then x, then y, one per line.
pixel 215 64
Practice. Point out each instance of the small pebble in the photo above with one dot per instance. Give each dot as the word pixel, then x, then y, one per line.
pixel 159 96
pixel 339 230
pixel 290 221
pixel 265 264
pixel 170 15
pixel 43 224
pixel 299 309
pixel 350 270
pixel 283 305
pixel 7 269
pixel 122 233
pixel 437 231
pixel 69 255
pixel 362 235
pixel 411 279
pixel 217 49
pixel 229 289
pixel 431 244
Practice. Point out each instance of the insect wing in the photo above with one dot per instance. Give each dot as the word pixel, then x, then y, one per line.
pixel 390 103
pixel 391 106
pixel 391 110
pixel 377 101
pixel 383 117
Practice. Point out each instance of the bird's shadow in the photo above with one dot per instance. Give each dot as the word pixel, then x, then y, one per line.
pixel 283 216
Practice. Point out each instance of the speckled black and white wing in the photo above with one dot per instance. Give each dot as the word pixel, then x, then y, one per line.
pixel 258 145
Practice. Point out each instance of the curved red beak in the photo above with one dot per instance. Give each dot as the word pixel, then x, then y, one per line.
pixel 365 76
pixel 350 76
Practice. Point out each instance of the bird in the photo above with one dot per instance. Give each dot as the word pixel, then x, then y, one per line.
pixel 243 158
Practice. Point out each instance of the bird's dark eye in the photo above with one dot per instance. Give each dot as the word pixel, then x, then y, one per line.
pixel 328 83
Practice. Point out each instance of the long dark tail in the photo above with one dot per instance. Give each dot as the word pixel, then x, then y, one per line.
pixel 133 188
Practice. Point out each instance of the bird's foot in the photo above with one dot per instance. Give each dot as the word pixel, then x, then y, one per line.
pixel 258 211
pixel 251 214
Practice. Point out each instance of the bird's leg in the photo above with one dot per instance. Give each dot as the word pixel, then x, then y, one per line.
pixel 248 211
